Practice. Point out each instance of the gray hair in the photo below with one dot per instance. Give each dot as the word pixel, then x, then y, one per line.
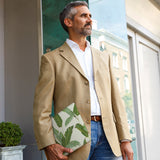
pixel 69 12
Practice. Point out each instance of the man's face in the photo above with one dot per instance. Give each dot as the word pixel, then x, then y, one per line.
pixel 82 23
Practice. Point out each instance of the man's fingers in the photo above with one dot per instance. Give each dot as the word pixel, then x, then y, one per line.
pixel 130 156
pixel 68 150
pixel 127 151
pixel 123 156
pixel 55 152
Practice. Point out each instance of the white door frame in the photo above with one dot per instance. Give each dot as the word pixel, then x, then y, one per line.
pixel 135 33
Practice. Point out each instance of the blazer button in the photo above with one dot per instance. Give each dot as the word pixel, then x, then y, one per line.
pixel 86 82
pixel 88 101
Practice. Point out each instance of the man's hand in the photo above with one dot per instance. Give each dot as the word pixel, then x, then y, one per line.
pixel 126 150
pixel 55 152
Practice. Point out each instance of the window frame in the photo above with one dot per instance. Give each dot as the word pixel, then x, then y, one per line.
pixel 132 29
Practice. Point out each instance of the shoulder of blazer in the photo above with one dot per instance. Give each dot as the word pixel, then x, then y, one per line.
pixel 56 51
pixel 103 55
pixel 54 54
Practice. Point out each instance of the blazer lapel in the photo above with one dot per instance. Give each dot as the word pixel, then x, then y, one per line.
pixel 66 52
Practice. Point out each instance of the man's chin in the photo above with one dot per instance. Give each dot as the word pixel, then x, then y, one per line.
pixel 87 32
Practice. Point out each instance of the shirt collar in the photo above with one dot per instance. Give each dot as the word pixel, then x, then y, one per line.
pixel 73 44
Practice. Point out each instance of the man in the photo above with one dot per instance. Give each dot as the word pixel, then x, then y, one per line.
pixel 76 72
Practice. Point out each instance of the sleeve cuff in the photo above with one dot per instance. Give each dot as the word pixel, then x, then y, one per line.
pixel 125 140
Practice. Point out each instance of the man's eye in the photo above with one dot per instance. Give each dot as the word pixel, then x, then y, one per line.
pixel 83 15
pixel 86 15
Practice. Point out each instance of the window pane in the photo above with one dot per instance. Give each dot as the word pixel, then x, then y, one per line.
pixel 110 35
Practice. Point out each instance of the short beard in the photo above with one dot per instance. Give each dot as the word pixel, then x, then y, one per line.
pixel 86 31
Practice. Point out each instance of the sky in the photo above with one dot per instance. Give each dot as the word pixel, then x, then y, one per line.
pixel 110 15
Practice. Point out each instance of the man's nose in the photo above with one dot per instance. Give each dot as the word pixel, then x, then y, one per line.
pixel 89 19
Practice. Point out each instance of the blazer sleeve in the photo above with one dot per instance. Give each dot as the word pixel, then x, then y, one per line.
pixel 42 107
pixel 118 108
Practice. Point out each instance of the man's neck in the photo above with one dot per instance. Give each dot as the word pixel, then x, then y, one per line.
pixel 80 41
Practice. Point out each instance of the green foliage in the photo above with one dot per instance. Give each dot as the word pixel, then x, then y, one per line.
pixel 65 140
pixel 84 142
pixel 75 110
pixel 58 120
pixel 128 104
pixel 10 134
pixel 58 136
pixel 75 113
pixel 68 120
pixel 127 99
pixel 68 111
pixel 82 129
pixel 72 144
pixel 68 134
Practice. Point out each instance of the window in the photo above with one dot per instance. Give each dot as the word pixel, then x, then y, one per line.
pixel 118 81
pixel 102 46
pixel 125 66
pixel 145 58
pixel 126 83
pixel 115 40
pixel 115 60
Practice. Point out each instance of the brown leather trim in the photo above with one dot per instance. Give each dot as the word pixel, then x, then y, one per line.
pixel 96 118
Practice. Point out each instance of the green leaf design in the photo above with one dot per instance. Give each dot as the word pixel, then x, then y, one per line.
pixel 58 120
pixel 73 144
pixel 60 137
pixel 56 132
pixel 63 141
pixel 68 120
pixel 57 135
pixel 84 142
pixel 68 111
pixel 82 129
pixel 68 134
pixel 75 111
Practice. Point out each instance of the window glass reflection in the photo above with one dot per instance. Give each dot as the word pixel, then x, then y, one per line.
pixel 110 35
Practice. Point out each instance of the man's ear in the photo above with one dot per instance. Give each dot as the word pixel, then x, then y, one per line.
pixel 68 22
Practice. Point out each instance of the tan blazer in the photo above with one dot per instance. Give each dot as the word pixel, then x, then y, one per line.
pixel 63 80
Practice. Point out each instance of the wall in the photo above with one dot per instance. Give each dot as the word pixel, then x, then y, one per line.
pixel 21 68
pixel 144 13
pixel 2 60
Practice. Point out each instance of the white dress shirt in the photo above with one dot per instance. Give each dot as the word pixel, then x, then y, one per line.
pixel 85 60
